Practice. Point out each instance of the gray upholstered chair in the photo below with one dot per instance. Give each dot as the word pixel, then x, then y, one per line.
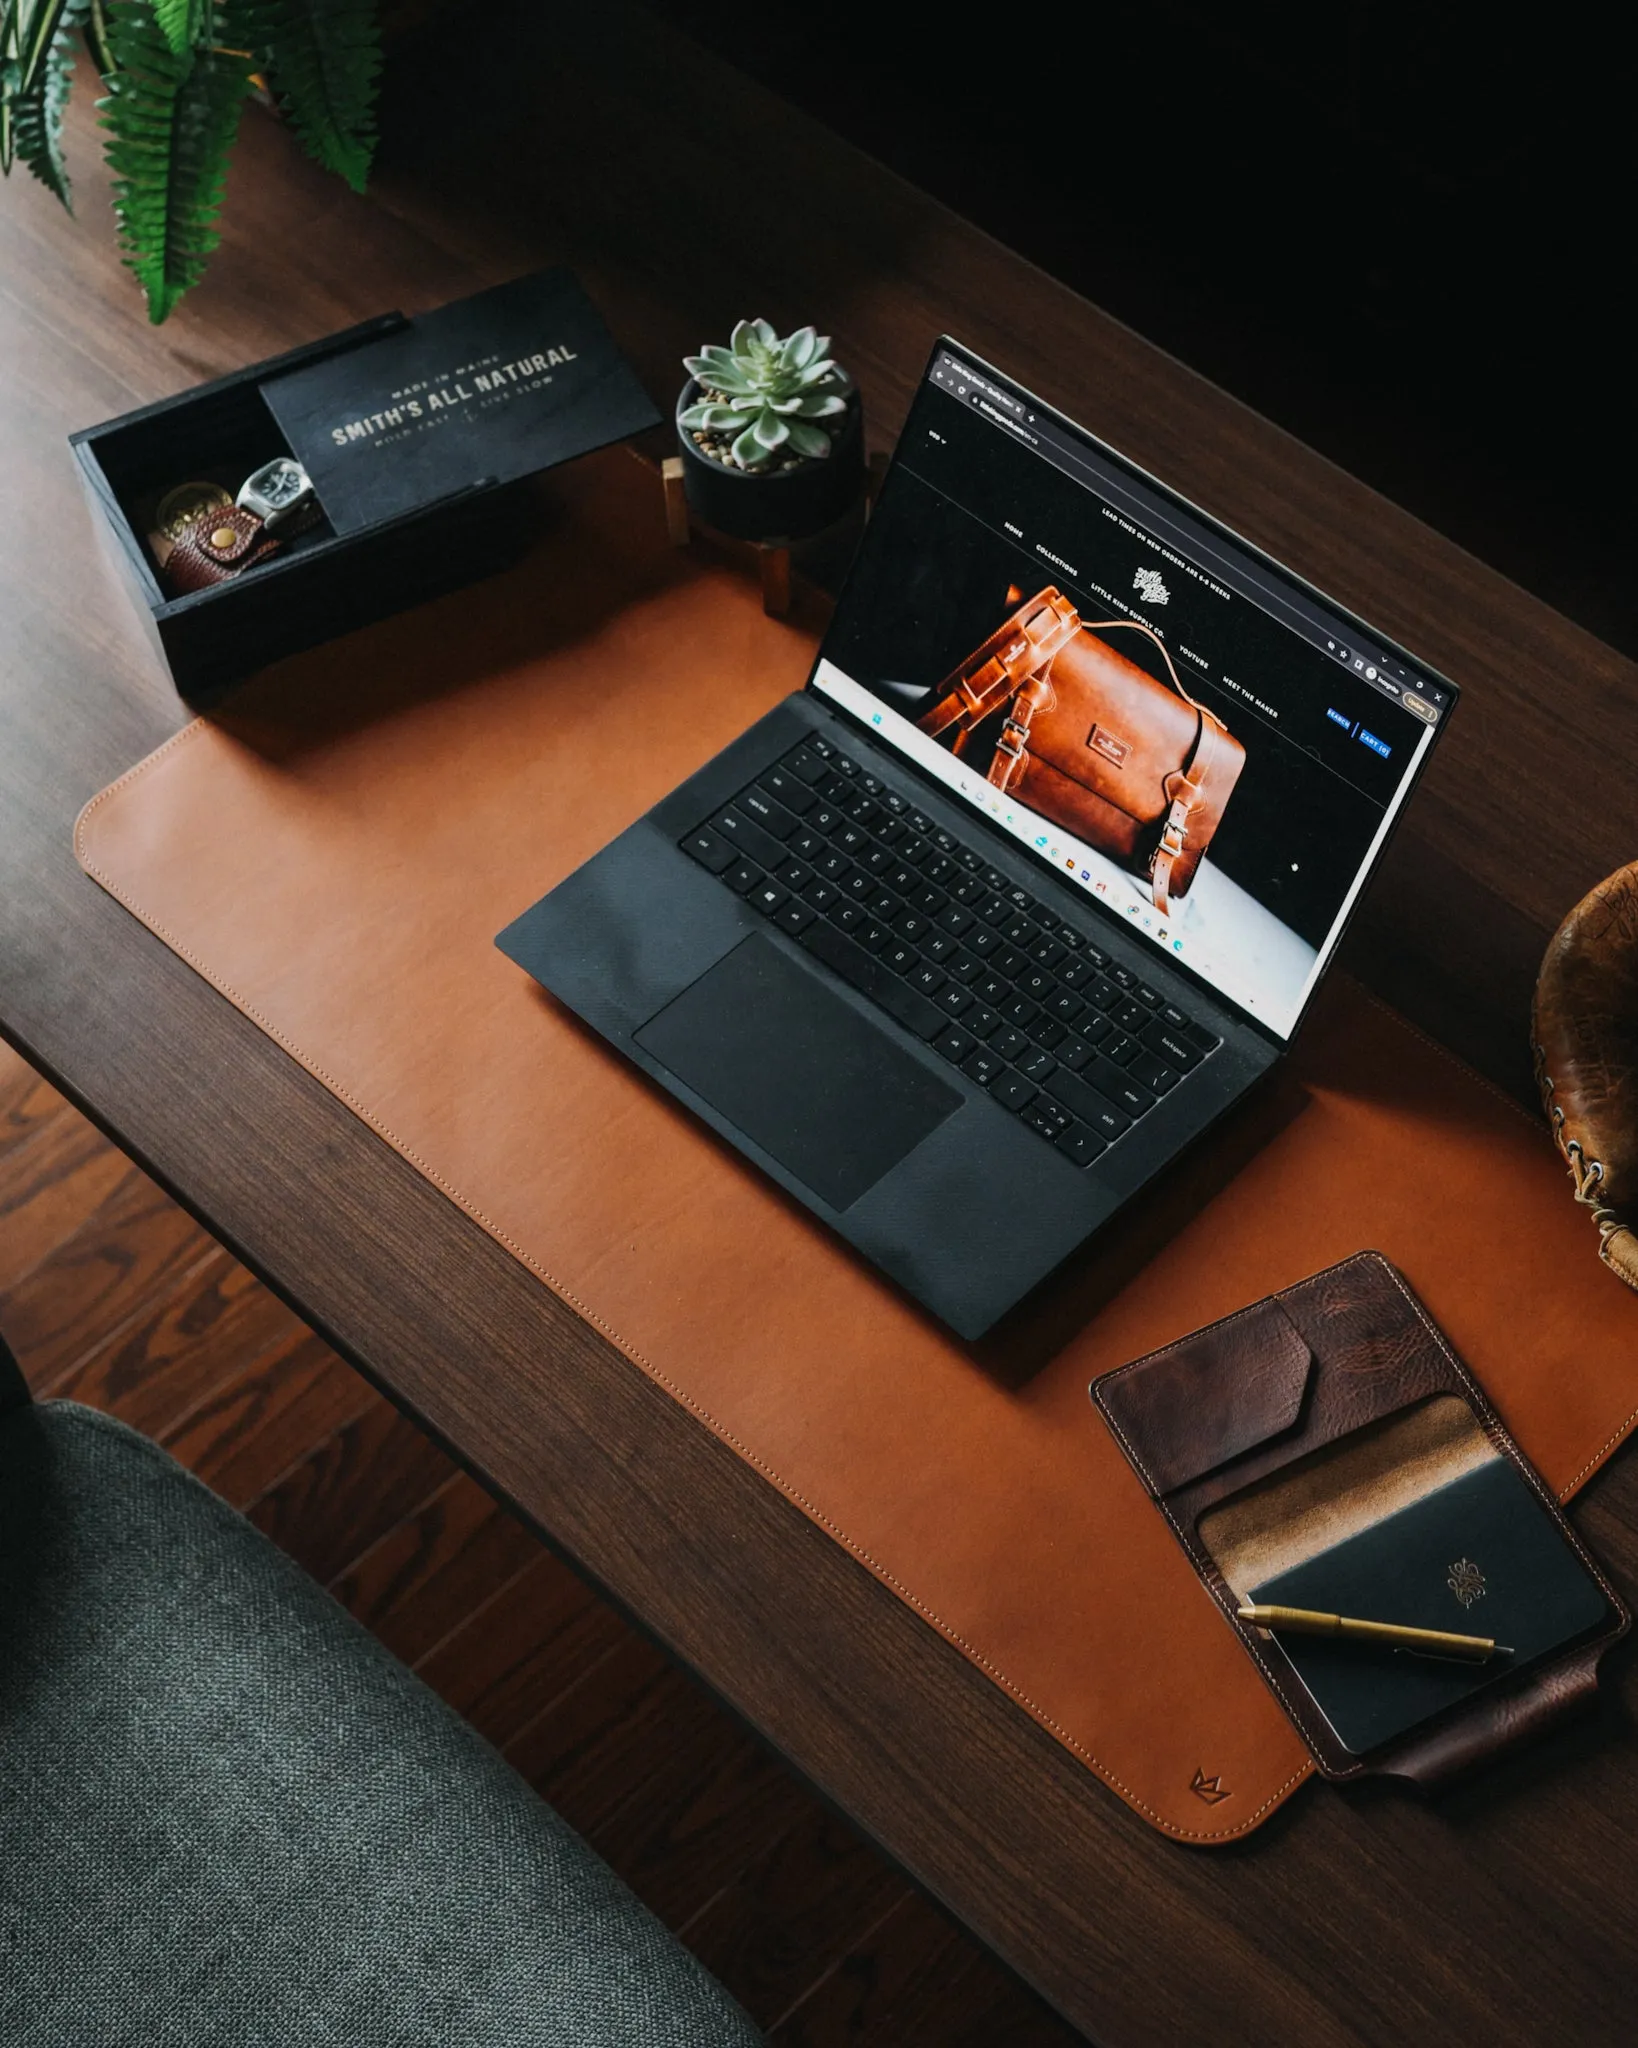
pixel 229 1819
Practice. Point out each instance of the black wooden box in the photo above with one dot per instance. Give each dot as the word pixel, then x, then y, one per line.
pixel 425 512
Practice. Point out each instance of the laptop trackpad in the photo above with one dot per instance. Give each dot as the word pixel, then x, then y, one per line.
pixel 762 1039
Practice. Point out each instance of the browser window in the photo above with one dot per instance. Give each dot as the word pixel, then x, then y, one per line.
pixel 1192 737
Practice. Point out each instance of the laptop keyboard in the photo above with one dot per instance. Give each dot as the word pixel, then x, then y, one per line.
pixel 1072 1042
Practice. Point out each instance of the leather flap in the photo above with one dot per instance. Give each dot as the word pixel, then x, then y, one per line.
pixel 1184 1411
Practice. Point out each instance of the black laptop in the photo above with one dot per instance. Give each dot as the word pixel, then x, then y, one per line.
pixel 966 941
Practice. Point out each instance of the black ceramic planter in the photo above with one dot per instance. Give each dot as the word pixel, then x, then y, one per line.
pixel 788 505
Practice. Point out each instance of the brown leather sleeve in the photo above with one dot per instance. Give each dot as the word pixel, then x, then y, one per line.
pixel 1209 1418
pixel 1584 1033
pixel 202 556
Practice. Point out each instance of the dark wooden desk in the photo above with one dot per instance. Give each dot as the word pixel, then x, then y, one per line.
pixel 1507 1913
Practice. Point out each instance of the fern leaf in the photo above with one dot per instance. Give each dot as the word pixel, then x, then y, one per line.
pixel 324 57
pixel 170 121
pixel 36 32
pixel 37 111
pixel 183 22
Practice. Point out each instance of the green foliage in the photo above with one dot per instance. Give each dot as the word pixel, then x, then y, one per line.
pixel 768 394
pixel 177 74
pixel 324 60
pixel 171 121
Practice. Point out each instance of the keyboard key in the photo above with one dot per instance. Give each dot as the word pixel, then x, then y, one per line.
pixel 969 890
pixel 938 945
pixel 929 979
pixel 743 875
pixel 1080 1144
pixel 820 894
pixel 1155 1075
pixel 930 900
pixel 807 844
pixel 981 1021
pixel 874 980
pixel 1020 931
pixel 871 935
pixel 983 1066
pixel 1047 1117
pixel 768 812
pixel 1046 1030
pixel 1012 1091
pixel 993 988
pixel 1046 952
pixel 863 810
pixel 1172 1015
pixel 849 838
pixel 1093 1028
pixel 1119 1088
pixel 1123 977
pixel 1103 994
pixel 710 849
pixel 983 941
pixel 1197 1034
pixel 884 904
pixel 1129 1015
pixel 1009 961
pixel 901 957
pixel 794 874
pixel 913 848
pixel 1119 1048
pixel 823 819
pixel 955 998
pixel 749 837
pixel 996 910
pixel 848 914
pixel 795 917
pixel 1009 1042
pixel 809 764
pixel 890 830
pixel 1076 973
pixel 1074 1053
pixel 1065 1006
pixel 1146 994
pixel 859 883
pixel 963 966
pixel 1172 1046
pixel 788 789
pixel 955 1044
pixel 1037 984
pixel 834 866
pixel 1036 1064
pixel 955 919
pixel 940 870
pixel 1087 1106
pixel 911 924
pixel 905 880
pixel 880 862
pixel 768 897
pixel 1018 1010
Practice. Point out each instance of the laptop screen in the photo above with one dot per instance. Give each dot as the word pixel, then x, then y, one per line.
pixel 1191 735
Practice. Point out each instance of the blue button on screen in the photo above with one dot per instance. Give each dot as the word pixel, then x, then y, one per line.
pixel 1376 746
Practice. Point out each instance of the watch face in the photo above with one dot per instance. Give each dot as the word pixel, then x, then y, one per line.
pixel 280 483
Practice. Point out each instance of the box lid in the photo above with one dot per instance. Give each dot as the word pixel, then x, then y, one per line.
pixel 487 390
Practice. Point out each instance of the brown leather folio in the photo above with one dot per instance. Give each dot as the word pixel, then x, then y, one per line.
pixel 1130 764
pixel 1305 1421
pixel 335 850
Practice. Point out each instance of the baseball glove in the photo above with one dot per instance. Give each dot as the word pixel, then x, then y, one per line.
pixel 1584 1034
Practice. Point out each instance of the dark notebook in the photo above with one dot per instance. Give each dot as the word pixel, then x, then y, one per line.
pixel 1479 1557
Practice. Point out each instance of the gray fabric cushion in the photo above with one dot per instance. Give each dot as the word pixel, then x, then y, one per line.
pixel 228 1816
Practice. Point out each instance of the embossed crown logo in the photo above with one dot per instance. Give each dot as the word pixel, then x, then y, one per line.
pixel 1209 1789
pixel 1466 1581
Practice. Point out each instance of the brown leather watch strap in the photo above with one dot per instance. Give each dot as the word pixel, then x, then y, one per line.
pixel 221 544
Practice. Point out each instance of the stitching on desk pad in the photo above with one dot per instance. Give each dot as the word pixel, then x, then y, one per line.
pixel 678 1393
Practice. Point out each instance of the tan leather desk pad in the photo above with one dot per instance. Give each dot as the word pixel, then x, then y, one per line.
pixel 335 853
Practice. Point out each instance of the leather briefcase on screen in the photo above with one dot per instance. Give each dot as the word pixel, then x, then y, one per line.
pixel 1093 743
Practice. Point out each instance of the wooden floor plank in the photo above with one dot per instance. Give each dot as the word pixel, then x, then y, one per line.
pixel 354 1482
pixel 165 1364
pixel 794 1913
pixel 870 1999
pixel 677 1797
pixel 522 1649
pixel 54 1179
pixel 420 1580
pixel 26 1101
pixel 262 1422
pixel 133 1250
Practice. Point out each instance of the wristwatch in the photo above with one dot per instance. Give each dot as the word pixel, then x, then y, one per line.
pixel 220 544
pixel 281 495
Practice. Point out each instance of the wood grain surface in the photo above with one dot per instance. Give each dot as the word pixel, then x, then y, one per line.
pixel 761 1879
pixel 685 198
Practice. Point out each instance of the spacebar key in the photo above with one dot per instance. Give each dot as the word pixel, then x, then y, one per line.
pixel 871 978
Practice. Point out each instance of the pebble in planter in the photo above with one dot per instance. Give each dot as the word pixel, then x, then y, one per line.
pixel 771 433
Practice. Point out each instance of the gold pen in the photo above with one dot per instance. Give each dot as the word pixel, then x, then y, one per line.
pixel 1431 1642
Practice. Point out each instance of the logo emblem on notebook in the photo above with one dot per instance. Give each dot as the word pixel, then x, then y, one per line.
pixel 1210 1789
pixel 1150 587
pixel 1466 1581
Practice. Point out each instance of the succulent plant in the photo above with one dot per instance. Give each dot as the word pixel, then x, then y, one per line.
pixel 763 398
